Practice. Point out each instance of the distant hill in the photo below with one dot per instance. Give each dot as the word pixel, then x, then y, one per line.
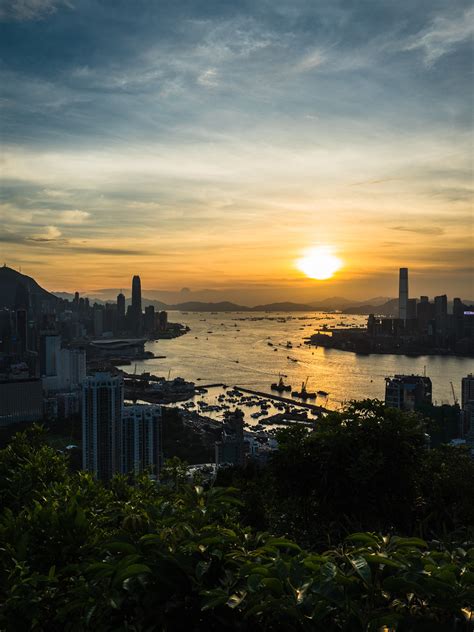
pixel 390 308
pixel 17 288
pixel 283 307
pixel 197 306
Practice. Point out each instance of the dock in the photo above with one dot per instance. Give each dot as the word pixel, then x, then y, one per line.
pixel 284 400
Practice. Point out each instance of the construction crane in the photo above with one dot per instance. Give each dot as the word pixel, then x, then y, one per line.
pixel 455 399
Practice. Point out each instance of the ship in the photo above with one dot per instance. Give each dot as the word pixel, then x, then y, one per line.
pixel 281 387
pixel 304 394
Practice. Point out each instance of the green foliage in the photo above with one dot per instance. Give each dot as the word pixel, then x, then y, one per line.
pixel 76 555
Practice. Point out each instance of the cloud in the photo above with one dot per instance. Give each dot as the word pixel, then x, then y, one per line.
pixel 422 230
pixel 24 10
pixel 311 60
pixel 73 217
pixel 50 233
pixel 442 35
pixel 208 78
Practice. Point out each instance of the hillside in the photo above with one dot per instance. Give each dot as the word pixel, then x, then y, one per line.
pixel 17 288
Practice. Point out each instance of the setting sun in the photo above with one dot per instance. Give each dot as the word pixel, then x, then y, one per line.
pixel 319 263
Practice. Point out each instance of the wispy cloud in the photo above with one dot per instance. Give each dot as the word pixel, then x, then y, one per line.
pixel 442 35
pixel 73 217
pixel 422 230
pixel 50 233
pixel 23 10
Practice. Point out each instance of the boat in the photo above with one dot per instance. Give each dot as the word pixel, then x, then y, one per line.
pixel 304 394
pixel 289 345
pixel 292 359
pixel 280 386
pixel 323 393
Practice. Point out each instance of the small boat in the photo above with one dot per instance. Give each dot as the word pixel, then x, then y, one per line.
pixel 323 393
pixel 289 345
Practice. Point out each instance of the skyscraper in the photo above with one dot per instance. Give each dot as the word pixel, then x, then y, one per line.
pixel 403 294
pixel 141 439
pixel 136 304
pixel 102 404
pixel 120 312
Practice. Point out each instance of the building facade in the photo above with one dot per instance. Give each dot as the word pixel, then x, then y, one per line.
pixel 102 405
pixel 406 392
pixel 142 439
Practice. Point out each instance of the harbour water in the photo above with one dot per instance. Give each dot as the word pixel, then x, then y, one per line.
pixel 250 350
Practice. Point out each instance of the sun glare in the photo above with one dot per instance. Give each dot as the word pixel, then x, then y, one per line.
pixel 319 263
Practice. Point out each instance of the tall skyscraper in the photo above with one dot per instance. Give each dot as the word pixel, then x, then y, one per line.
pixel 136 304
pixel 141 439
pixel 102 404
pixel 403 294
pixel 120 312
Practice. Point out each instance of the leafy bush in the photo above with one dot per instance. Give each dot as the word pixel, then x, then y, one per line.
pixel 75 555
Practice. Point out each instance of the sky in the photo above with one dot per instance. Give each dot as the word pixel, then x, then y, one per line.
pixel 208 145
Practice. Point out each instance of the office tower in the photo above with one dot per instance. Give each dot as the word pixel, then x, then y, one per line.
pixel 163 321
pixel 110 317
pixel 411 308
pixel 120 312
pixel 72 369
pixel 102 404
pixel 441 318
pixel 403 294
pixel 149 319
pixel 467 389
pixel 76 301
pixel 407 392
pixel 50 345
pixel 98 321
pixel 136 311
pixel 20 400
pixel 141 439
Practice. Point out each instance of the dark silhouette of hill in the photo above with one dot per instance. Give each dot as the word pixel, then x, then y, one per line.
pixel 283 307
pixel 197 306
pixel 17 288
pixel 390 308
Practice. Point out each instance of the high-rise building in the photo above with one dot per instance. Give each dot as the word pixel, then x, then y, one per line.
pixel 120 312
pixel 102 404
pixel 98 321
pixel 136 311
pixel 50 345
pixel 163 320
pixel 231 447
pixel 141 439
pixel 441 318
pixel 403 294
pixel 150 323
pixel 406 392
pixel 467 389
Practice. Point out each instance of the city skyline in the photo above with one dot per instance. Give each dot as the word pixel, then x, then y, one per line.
pixel 212 148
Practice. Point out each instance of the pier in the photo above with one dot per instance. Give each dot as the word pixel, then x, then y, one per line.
pixel 285 400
